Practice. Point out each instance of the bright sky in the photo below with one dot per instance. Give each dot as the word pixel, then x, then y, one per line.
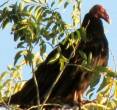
pixel 8 47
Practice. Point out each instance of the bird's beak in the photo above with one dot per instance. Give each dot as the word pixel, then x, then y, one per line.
pixel 109 21
pixel 106 17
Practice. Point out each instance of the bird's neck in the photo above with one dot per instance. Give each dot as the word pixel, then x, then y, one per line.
pixel 93 26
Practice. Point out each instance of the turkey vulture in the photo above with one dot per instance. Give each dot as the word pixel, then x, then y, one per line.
pixel 73 81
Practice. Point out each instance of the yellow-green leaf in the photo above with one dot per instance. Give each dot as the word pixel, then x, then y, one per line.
pixel 27 1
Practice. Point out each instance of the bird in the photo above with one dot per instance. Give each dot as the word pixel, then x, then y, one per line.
pixel 73 81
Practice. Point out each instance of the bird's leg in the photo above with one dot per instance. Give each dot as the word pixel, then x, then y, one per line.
pixel 77 97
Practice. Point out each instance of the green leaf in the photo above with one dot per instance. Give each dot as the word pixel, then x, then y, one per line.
pixel 77 35
pixel 21 28
pixel 54 59
pixel 10 67
pixel 31 9
pixel 17 56
pixel 83 34
pixel 94 81
pixel 1 86
pixel 62 64
pixel 3 75
pixel 27 1
pixel 55 55
pixel 37 11
pixel 29 57
pixel 49 23
pixel 20 45
pixel 36 1
pixel 115 91
pixel 42 48
pixel 89 58
pixel 7 82
pixel 66 4
pixel 53 41
pixel 5 22
pixel 111 74
pixel 60 1
pixel 62 60
pixel 21 6
pixel 83 55
pixel 52 4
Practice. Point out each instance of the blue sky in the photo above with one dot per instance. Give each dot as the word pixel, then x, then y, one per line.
pixel 8 46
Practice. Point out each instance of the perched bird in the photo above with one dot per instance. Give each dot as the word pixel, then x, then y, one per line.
pixel 73 81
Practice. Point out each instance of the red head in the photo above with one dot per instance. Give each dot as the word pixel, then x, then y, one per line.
pixel 98 11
